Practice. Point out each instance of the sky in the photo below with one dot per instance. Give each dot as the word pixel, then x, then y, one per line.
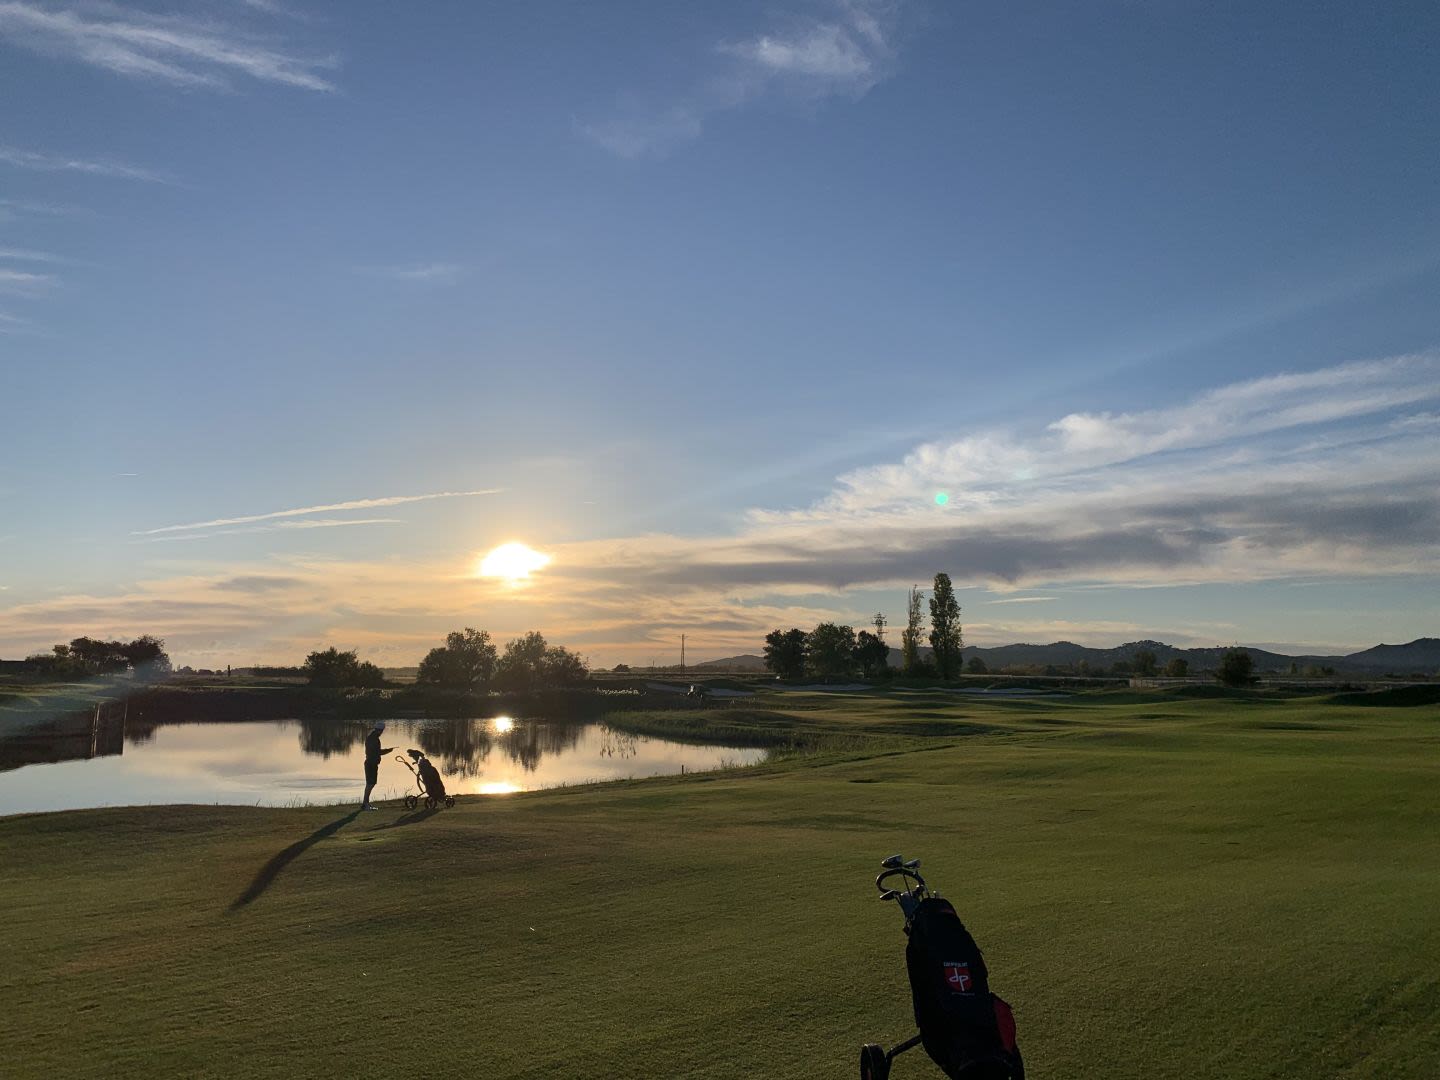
pixel 305 307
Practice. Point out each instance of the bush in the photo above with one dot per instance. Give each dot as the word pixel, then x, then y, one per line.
pixel 1236 668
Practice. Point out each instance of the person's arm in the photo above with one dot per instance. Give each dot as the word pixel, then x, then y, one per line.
pixel 386 749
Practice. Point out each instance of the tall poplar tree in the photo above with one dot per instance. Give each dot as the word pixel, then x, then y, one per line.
pixel 945 636
pixel 910 639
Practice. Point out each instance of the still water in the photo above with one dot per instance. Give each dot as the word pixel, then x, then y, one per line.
pixel 84 761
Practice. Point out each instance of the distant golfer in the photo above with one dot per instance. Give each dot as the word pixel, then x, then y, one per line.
pixel 373 753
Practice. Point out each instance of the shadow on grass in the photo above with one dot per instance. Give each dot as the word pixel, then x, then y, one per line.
pixel 412 817
pixel 271 870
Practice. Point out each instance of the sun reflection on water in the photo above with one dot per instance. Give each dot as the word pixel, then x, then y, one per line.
pixel 499 788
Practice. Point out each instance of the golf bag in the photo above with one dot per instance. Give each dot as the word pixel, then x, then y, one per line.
pixel 430 778
pixel 968 1031
pixel 430 788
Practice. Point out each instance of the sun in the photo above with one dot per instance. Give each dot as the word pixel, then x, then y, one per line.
pixel 512 562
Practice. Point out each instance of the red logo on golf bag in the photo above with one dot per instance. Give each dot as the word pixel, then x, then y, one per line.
pixel 957 977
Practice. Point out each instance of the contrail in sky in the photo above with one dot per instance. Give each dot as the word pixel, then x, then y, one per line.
pixel 354 504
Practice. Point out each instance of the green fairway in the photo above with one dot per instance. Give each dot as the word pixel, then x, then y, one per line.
pixel 1227 887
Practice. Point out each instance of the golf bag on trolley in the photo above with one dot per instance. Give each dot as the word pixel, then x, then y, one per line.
pixel 968 1031
pixel 428 782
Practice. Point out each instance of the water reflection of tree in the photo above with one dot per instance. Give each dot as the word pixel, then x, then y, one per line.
pixel 618 744
pixel 456 746
pixel 327 736
pixel 527 743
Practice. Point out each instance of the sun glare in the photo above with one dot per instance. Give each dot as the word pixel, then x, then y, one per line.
pixel 513 562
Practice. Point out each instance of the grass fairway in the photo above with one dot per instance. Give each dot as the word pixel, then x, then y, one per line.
pixel 1228 888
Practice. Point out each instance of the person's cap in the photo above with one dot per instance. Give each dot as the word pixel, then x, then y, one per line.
pixel 379 725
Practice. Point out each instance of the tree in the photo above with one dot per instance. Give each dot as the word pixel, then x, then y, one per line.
pixel 147 656
pixel 872 655
pixel 1178 668
pixel 910 662
pixel 368 675
pixel 785 652
pixel 530 663
pixel 465 662
pixel 1236 668
pixel 831 650
pixel 1144 663
pixel 98 655
pixel 976 666
pixel 522 665
pixel 946 639
pixel 333 668
pixel 561 667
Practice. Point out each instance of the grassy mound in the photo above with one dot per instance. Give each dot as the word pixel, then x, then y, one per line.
pixel 1393 697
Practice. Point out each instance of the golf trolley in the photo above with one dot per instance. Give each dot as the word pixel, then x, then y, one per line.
pixel 967 1031
pixel 427 779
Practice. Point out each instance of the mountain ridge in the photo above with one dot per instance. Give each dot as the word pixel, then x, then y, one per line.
pixel 1419 656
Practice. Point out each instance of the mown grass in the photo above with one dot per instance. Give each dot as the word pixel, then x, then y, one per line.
pixel 1164 887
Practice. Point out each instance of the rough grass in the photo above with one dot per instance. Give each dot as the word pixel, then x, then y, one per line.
pixel 1164 887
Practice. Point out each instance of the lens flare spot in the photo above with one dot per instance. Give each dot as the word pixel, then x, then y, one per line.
pixel 512 562
pixel 941 498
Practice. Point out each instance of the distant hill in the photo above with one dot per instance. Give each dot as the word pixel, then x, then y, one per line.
pixel 1421 656
pixel 745 662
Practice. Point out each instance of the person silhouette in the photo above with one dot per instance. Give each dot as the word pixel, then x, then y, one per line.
pixel 373 753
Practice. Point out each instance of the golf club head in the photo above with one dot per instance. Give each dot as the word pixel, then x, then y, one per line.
pixel 894 862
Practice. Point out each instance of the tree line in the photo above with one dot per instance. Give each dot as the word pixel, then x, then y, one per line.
pixel 468 661
pixel 832 650
pixel 145 656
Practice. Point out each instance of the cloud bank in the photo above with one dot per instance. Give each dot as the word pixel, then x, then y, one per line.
pixel 1325 475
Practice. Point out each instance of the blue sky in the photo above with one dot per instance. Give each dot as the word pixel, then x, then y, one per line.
pixel 709 300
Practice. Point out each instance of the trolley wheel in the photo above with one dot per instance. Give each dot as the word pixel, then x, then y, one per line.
pixel 449 801
pixel 874 1065
pixel 411 802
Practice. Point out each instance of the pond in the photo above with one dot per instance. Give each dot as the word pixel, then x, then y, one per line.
pixel 89 760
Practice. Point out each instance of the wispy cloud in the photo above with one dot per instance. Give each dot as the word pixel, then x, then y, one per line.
pixel 15 326
pixel 274 526
pixel 25 283
pixel 26 255
pixel 1024 600
pixel 354 504
pixel 30 159
pixel 23 206
pixel 182 50
pixel 427 271
pixel 843 51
